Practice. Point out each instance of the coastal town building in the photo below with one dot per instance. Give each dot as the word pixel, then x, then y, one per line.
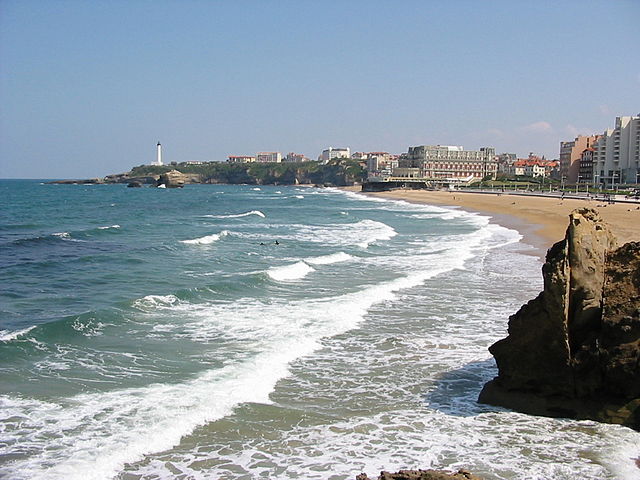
pixel 241 159
pixel 616 157
pixel 532 166
pixel 570 153
pixel 450 162
pixel 295 157
pixel 381 163
pixel 331 153
pixel 505 161
pixel 586 166
pixel 268 157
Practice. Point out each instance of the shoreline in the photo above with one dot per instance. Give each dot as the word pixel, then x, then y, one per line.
pixel 541 221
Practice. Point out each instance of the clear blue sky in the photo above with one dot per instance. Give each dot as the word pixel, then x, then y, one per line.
pixel 87 88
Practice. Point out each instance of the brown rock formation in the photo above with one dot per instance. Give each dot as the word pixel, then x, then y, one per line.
pixel 175 179
pixel 574 351
pixel 422 475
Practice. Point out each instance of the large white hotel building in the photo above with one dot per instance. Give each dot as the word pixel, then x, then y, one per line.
pixel 616 156
pixel 445 161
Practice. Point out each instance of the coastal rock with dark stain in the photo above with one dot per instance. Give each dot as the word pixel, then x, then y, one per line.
pixel 173 179
pixel 574 351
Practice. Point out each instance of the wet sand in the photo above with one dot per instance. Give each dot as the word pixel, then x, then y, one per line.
pixel 542 221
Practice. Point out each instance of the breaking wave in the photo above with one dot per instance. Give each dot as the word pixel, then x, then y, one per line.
pixel 238 215
pixel 294 271
pixel 206 240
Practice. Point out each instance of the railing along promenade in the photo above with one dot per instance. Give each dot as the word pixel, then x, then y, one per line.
pixel 598 197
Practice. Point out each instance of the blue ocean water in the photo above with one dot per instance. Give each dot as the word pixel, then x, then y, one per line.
pixel 224 332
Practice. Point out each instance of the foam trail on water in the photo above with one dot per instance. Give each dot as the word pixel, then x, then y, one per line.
pixel 362 233
pixel 206 240
pixel 329 259
pixel 238 215
pixel 7 336
pixel 108 227
pixel 294 271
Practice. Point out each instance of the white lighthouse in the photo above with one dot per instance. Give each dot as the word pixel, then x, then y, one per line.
pixel 159 162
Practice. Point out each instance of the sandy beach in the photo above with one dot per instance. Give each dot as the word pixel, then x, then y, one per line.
pixel 542 221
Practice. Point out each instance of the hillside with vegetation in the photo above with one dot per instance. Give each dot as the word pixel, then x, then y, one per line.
pixel 338 172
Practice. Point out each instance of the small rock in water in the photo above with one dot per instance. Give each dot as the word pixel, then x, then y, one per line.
pixel 423 475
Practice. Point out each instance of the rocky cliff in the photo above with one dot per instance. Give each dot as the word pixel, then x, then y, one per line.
pixel 338 172
pixel 574 351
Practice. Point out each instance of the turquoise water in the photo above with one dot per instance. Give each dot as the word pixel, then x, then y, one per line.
pixel 150 333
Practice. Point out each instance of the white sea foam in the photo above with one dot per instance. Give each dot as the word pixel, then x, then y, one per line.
pixel 362 233
pixel 88 327
pixel 96 434
pixel 449 430
pixel 329 259
pixel 7 336
pixel 206 240
pixel 238 215
pixel 376 231
pixel 108 227
pixel 257 189
pixel 299 196
pixel 152 302
pixel 137 422
pixel 294 271
pixel 65 235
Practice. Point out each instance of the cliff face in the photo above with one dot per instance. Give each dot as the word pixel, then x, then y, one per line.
pixel 574 351
pixel 338 172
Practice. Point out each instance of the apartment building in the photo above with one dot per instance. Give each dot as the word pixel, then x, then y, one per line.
pixel 586 166
pixel 381 162
pixel 446 161
pixel 616 157
pixel 295 157
pixel 331 153
pixel 268 157
pixel 241 159
pixel 570 153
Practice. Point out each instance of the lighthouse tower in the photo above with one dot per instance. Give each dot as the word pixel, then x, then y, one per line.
pixel 159 162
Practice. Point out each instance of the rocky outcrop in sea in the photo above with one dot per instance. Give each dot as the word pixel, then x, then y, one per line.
pixel 574 351
pixel 176 179
pixel 422 475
